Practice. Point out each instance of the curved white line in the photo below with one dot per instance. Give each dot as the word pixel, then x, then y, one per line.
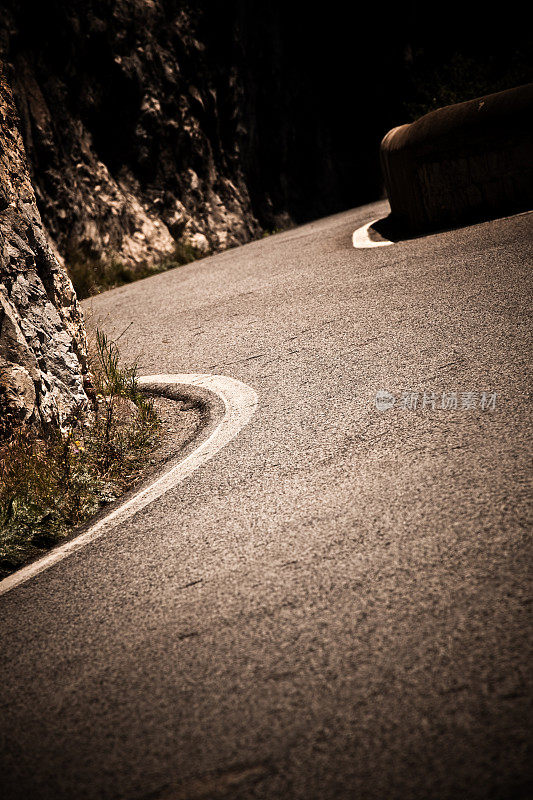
pixel 240 402
pixel 361 239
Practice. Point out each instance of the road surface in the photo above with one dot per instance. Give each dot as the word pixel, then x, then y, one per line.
pixel 336 605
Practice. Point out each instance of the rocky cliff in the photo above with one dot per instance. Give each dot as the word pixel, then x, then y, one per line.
pixel 152 123
pixel 155 123
pixel 132 136
pixel 42 339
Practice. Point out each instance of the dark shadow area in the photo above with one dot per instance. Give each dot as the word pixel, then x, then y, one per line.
pixel 392 229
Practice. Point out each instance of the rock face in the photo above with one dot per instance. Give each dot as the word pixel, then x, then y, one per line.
pixel 151 123
pixel 131 136
pixel 154 122
pixel 42 339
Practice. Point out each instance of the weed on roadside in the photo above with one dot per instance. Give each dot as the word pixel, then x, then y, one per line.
pixel 49 484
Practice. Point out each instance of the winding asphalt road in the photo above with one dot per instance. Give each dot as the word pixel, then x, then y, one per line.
pixel 337 604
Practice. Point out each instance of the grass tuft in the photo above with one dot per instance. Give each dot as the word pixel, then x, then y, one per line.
pixel 48 485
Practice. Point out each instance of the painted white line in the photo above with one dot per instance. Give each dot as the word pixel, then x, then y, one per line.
pixel 361 238
pixel 240 402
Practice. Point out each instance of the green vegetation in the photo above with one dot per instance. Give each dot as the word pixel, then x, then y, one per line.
pixel 91 276
pixel 50 484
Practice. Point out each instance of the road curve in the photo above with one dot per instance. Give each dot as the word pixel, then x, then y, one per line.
pixel 237 402
pixel 336 605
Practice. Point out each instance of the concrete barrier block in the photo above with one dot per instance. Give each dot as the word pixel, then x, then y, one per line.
pixel 462 163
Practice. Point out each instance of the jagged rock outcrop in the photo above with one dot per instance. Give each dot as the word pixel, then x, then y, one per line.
pixel 154 122
pixel 122 119
pixel 42 338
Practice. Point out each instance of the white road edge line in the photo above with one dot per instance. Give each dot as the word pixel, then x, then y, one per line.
pixel 240 403
pixel 361 239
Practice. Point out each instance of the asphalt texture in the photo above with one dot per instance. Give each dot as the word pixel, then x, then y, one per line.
pixel 337 605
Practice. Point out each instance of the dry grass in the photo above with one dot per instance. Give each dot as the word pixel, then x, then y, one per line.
pixel 50 485
pixel 91 276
